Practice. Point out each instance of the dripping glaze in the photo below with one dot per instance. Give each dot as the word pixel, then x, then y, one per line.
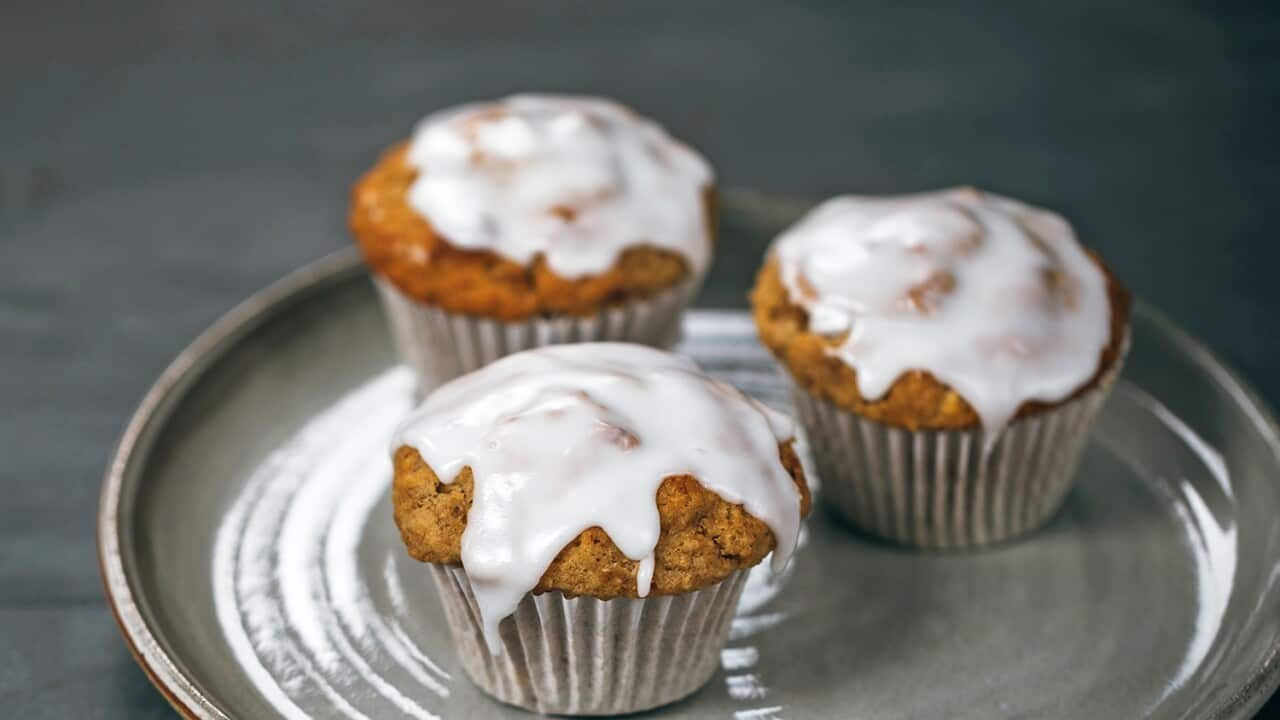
pixel 577 180
pixel 993 297
pixel 565 438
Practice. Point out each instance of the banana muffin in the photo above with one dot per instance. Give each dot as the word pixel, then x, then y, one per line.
pixel 949 352
pixel 533 220
pixel 560 505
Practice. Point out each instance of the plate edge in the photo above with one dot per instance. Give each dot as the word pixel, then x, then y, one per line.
pixel 177 688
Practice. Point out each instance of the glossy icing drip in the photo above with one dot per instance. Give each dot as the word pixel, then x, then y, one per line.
pixel 993 297
pixel 569 437
pixel 576 179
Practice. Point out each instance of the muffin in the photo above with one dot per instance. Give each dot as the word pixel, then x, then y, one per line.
pixel 949 352
pixel 529 221
pixel 588 544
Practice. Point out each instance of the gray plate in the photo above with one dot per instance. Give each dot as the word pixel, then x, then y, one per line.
pixel 248 551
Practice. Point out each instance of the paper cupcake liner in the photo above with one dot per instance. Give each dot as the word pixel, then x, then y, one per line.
pixel 937 489
pixel 584 656
pixel 440 345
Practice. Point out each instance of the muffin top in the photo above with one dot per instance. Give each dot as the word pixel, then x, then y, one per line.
pixel 535 203
pixel 601 469
pixel 939 310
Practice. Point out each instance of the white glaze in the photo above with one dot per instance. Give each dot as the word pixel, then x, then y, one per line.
pixel 1026 317
pixel 565 438
pixel 499 176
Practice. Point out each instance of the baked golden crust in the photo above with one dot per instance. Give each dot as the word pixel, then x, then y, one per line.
pixel 703 538
pixel 916 400
pixel 400 245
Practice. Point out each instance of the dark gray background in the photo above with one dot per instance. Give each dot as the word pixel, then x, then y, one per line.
pixel 161 162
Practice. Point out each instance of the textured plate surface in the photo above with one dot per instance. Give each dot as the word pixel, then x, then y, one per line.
pixel 248 549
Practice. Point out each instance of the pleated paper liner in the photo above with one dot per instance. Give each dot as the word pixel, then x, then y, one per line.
pixel 440 345
pixel 584 656
pixel 938 489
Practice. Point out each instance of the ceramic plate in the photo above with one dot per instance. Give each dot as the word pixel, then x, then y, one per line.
pixel 249 553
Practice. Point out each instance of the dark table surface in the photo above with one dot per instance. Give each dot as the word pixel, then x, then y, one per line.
pixel 161 162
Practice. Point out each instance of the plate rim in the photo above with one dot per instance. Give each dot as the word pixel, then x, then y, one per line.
pixel 191 362
pixel 209 346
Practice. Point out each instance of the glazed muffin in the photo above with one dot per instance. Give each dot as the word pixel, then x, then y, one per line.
pixel 530 221
pixel 950 351
pixel 589 545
